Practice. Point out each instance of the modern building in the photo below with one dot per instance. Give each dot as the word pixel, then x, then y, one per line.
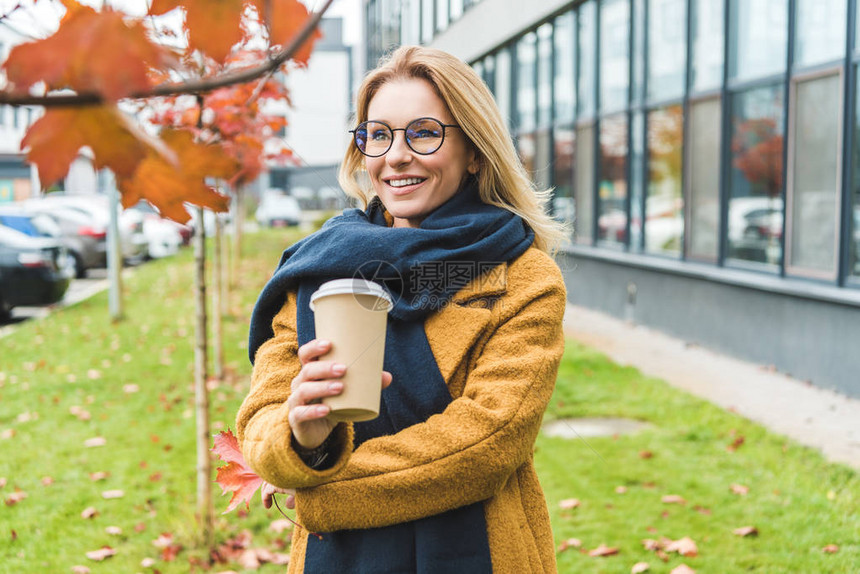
pixel 706 153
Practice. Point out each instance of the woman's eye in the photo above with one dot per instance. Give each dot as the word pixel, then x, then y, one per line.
pixel 423 133
pixel 379 135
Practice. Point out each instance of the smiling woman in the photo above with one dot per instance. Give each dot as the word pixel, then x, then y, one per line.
pixel 458 236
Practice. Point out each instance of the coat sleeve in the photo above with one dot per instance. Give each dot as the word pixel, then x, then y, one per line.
pixel 468 452
pixel 263 429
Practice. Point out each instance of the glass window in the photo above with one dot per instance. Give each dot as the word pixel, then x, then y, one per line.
pixel 564 141
pixel 637 168
pixel 583 224
pixel 543 159
pixel 614 54
pixel 820 31
pixel 565 67
pixel 638 80
pixel 544 75
pixel 490 72
pixel 502 87
pixel 756 180
pixel 441 15
pixel 703 167
pixel 479 68
pixel 667 22
pixel 612 190
pixel 854 220
pixel 708 35
pixel 587 56
pixel 664 205
pixel 456 9
pixel 410 25
pixel 758 38
pixel 815 174
pixel 526 147
pixel 427 23
pixel 526 97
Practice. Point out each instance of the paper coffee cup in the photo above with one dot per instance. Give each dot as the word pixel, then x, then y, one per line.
pixel 353 314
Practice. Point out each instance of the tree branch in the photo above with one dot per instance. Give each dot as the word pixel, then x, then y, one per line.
pixel 198 86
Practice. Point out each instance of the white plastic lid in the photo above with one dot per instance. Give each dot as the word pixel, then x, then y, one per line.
pixel 352 287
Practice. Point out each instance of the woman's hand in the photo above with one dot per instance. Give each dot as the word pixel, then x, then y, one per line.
pixel 267 493
pixel 317 380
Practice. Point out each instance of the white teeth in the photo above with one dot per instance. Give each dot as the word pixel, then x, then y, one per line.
pixel 404 182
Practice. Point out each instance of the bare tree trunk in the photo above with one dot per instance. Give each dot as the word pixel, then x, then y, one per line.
pixel 238 224
pixel 217 293
pixel 225 272
pixel 201 393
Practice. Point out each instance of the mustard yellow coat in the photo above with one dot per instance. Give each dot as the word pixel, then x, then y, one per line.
pixel 498 346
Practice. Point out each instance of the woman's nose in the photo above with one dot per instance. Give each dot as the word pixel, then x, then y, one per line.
pixel 399 152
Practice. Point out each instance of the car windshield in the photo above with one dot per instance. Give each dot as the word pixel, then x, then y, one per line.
pixel 32 226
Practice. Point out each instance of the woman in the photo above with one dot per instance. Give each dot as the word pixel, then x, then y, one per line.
pixel 443 480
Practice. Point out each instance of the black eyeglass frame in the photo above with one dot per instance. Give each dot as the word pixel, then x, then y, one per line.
pixel 408 143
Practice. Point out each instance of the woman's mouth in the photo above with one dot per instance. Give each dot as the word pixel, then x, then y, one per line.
pixel 405 182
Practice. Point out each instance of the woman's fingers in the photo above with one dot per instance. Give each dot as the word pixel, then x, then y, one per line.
pixel 313 349
pixel 309 393
pixel 386 379
pixel 268 491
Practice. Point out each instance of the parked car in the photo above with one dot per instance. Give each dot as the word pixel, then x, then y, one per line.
pixel 163 236
pixel 84 239
pixel 33 270
pixel 277 209
pixel 133 243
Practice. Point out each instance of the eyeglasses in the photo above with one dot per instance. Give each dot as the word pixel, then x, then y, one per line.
pixel 423 136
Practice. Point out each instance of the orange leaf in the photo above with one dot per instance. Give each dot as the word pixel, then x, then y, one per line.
pixel 569 503
pixel 288 17
pixel 90 52
pixel 214 26
pixel 746 531
pixel 640 567
pixel 168 182
pixel 673 499
pixel 685 547
pixel 603 550
pixel 682 569
pixel 55 139
pixel 235 477
pixel 830 549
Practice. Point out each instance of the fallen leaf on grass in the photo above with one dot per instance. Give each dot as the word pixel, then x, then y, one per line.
pixel 147 563
pixel 131 388
pixel 14 535
pixel 673 499
pixel 16 497
pixel 47 481
pixel 108 494
pixel 620 489
pixel 830 549
pixel 89 512
pixel 685 547
pixel 640 567
pixel 746 531
pixel 739 489
pixel 7 434
pixel 569 503
pixel 113 530
pixel 736 444
pixel 2 481
pixel 101 553
pixel 248 560
pixel 682 569
pixel 100 475
pixel 80 570
pixel 603 550
pixel 95 441
pixel 569 543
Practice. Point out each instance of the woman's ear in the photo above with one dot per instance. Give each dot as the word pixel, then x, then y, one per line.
pixel 474 165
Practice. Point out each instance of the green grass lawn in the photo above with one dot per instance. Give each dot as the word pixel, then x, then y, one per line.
pixel 76 376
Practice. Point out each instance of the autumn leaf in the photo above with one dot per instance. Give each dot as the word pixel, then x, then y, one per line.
pixel 673 499
pixel 603 550
pixel 167 184
pixel 569 503
pixel 830 549
pixel 90 52
pixel 739 489
pixel 236 476
pixel 109 494
pixel 569 543
pixel 746 531
pixel 89 512
pixel 95 441
pixel 685 547
pixel 288 17
pixel 55 139
pixel 640 567
pixel 214 26
pixel 101 553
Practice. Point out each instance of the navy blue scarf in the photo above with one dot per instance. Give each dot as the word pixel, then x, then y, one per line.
pixel 422 269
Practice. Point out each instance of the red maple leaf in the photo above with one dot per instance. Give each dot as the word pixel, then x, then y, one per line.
pixel 236 476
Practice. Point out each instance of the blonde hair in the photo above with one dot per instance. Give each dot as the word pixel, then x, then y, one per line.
pixel 502 179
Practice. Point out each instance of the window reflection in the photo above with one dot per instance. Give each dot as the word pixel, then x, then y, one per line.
pixel 756 181
pixel 704 177
pixel 612 190
pixel 614 60
pixel 502 84
pixel 815 177
pixel 666 48
pixel 583 224
pixel 759 38
pixel 820 31
pixel 854 220
pixel 565 67
pixel 707 59
pixel 544 75
pixel 587 67
pixel 637 170
pixel 664 220
pixel 638 79
pixel 564 142
pixel 526 56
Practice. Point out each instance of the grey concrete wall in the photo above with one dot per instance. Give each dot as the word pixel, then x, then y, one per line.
pixel 807 336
